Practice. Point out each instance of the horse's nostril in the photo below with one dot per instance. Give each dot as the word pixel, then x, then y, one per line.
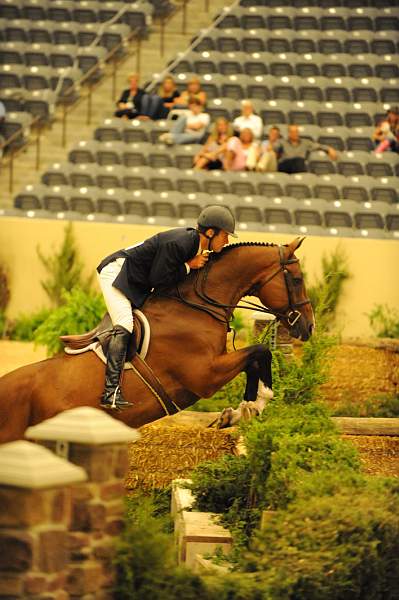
pixel 311 328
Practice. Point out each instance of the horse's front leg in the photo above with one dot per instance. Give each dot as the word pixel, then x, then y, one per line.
pixel 257 391
pixel 254 360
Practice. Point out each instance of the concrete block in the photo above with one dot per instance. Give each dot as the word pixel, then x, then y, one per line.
pixel 205 566
pixel 200 534
pixel 182 498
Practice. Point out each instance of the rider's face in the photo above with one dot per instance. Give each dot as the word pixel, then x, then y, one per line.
pixel 219 241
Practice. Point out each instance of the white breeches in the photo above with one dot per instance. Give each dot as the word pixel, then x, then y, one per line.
pixel 118 306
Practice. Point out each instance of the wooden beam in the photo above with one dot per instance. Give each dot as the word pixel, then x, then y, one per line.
pixel 367 425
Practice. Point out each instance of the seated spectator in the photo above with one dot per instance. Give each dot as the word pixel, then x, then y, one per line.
pixel 129 104
pixel 295 151
pixel 248 120
pixel 193 91
pixel 241 152
pixel 211 154
pixel 189 128
pixel 269 151
pixel 136 103
pixel 168 93
pixel 383 137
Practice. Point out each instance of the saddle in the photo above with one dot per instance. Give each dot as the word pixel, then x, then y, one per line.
pixel 98 339
pixel 102 334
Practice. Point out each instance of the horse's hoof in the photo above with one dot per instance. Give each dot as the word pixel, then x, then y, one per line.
pixel 225 418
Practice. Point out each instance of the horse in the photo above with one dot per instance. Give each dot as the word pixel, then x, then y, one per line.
pixel 187 352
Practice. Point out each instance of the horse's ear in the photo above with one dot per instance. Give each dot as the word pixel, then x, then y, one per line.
pixel 295 244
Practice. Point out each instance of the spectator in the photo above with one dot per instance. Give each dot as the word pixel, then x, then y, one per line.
pixel 241 152
pixel 193 90
pixel 248 120
pixel 269 151
pixel 135 103
pixel 189 128
pixel 383 137
pixel 168 93
pixel 211 154
pixel 130 103
pixel 295 151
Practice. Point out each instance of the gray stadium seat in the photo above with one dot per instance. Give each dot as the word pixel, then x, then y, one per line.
pixel 184 155
pixel 135 154
pixel 83 200
pixel 84 152
pixel 110 176
pixel 34 11
pixel 82 175
pixel 110 153
pixel 385 189
pixel 57 174
pixel 111 129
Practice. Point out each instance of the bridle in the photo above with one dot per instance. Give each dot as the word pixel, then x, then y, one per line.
pixel 289 311
pixel 222 312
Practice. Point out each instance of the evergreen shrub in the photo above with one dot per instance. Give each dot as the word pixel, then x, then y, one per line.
pixel 79 312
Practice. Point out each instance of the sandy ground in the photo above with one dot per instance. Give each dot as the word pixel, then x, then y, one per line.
pixel 17 354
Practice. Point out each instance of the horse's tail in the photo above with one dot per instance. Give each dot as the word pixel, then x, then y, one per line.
pixel 15 403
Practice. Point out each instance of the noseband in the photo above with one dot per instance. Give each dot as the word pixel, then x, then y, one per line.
pixel 220 311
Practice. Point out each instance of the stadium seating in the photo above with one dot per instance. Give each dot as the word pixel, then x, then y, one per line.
pixel 48 46
pixel 329 66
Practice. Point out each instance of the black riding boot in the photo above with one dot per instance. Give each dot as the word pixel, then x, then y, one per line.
pixel 112 397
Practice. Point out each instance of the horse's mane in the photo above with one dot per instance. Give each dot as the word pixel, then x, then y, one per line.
pixel 230 247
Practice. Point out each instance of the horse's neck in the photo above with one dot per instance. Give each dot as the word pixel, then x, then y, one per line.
pixel 235 271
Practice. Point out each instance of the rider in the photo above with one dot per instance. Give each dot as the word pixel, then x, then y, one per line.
pixel 128 276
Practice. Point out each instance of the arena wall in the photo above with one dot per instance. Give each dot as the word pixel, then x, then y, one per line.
pixel 373 263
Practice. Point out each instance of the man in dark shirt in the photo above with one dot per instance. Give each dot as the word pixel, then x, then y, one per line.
pixel 128 276
pixel 129 104
pixel 294 151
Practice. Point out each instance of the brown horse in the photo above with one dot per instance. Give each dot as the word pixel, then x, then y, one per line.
pixel 188 344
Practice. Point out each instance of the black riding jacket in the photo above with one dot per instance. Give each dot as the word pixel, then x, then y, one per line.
pixel 157 262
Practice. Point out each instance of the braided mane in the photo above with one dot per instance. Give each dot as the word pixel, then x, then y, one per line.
pixel 246 244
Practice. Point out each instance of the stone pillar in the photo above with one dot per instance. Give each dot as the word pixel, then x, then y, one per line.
pixel 35 515
pixel 280 337
pixel 98 443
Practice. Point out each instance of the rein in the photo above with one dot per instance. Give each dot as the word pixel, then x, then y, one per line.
pixel 222 312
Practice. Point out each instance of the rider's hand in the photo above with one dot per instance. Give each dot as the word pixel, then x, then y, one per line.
pixel 198 261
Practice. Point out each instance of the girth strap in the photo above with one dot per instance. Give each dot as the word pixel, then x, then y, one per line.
pixel 151 381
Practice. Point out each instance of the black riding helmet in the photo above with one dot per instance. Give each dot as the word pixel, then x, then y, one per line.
pixel 217 217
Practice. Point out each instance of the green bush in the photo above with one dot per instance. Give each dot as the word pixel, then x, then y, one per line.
pixel 380 405
pixel 384 321
pixel 80 312
pixel 146 558
pixel 339 547
pixel 25 326
pixel 325 292
pixel 64 269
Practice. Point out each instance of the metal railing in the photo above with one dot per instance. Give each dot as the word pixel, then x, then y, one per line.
pixel 197 40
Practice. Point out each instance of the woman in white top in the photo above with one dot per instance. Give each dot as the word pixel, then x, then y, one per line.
pixel 248 120
pixel 189 128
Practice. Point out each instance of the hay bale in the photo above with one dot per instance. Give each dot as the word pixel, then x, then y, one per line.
pixel 166 453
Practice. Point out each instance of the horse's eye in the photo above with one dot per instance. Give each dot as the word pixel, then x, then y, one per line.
pixel 297 280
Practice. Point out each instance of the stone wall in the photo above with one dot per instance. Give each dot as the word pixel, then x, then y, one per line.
pixel 57 536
